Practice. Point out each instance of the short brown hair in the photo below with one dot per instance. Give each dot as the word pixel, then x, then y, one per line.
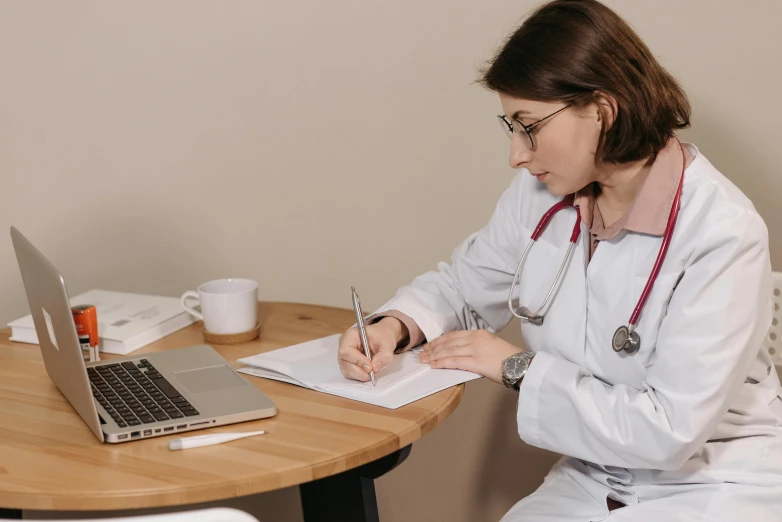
pixel 567 50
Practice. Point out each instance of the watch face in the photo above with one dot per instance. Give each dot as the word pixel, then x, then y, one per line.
pixel 514 367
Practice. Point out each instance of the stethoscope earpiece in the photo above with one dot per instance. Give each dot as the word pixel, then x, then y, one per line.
pixel 527 314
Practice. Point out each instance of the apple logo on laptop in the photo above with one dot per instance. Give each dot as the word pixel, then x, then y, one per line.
pixel 49 327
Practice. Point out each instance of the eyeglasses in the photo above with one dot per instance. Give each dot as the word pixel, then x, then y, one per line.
pixel 525 131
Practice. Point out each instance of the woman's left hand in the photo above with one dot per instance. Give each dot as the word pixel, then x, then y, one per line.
pixel 477 351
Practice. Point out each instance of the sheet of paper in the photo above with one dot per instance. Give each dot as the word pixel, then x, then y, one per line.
pixel 403 365
pixel 310 363
pixel 314 364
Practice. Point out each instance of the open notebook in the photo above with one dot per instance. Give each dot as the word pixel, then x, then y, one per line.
pixel 314 365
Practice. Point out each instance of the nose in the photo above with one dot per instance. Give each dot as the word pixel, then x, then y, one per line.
pixel 520 155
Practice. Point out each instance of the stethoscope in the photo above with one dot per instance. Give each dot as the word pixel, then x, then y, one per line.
pixel 625 338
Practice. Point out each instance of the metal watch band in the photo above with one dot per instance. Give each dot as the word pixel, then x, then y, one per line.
pixel 527 357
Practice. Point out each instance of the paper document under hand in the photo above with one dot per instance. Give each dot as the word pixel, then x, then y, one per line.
pixel 314 365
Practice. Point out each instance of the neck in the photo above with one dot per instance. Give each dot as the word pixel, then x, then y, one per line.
pixel 619 184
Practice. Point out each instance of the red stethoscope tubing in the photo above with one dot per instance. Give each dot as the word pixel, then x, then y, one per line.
pixel 663 249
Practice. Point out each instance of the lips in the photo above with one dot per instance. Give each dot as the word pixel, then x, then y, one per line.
pixel 539 175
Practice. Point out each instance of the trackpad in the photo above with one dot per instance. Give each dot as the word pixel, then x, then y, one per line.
pixel 209 379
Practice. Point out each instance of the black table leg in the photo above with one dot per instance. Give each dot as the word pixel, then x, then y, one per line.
pixel 350 495
pixel 14 514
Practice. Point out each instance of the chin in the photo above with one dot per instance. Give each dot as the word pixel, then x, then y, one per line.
pixel 559 191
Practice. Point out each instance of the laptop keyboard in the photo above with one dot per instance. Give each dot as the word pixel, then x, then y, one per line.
pixel 135 394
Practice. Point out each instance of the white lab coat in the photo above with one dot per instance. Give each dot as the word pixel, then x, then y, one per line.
pixel 688 428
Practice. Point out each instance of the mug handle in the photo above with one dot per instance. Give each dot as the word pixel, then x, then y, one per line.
pixel 188 309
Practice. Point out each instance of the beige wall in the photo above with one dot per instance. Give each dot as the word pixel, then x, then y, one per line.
pixel 149 146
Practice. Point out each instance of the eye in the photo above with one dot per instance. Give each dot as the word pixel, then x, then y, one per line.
pixel 532 128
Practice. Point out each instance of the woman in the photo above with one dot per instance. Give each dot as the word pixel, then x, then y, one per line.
pixel 677 418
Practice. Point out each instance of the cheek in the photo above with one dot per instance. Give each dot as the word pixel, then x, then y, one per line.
pixel 573 159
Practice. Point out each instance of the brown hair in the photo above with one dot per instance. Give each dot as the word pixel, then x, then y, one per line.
pixel 568 50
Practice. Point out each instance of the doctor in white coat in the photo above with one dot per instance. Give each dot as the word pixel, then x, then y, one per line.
pixel 674 414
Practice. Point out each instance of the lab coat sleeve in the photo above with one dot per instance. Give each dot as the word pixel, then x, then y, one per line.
pixel 717 317
pixel 470 292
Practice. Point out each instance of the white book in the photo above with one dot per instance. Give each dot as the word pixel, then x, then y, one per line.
pixel 126 322
pixel 314 365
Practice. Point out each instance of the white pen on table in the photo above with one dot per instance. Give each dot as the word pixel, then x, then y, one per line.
pixel 209 440
pixel 362 331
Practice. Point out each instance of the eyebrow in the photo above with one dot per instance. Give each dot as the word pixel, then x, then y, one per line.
pixel 518 113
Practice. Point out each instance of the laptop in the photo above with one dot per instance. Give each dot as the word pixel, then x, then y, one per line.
pixel 132 397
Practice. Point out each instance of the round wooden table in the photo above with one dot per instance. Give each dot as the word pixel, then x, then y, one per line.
pixel 331 447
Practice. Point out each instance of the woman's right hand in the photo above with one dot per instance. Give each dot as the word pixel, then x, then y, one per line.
pixel 383 337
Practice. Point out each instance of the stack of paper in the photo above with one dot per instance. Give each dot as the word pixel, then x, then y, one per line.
pixel 126 322
pixel 314 365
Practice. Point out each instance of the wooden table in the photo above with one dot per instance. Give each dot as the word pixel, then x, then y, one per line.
pixel 332 448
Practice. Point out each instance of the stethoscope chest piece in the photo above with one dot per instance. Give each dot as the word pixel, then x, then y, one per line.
pixel 625 340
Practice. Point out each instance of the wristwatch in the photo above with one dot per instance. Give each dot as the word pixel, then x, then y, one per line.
pixel 514 368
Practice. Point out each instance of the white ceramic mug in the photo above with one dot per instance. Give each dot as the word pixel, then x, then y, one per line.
pixel 228 306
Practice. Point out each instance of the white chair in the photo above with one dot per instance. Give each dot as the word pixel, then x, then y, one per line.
pixel 773 340
pixel 200 515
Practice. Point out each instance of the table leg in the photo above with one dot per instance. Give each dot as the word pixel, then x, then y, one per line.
pixel 14 514
pixel 350 495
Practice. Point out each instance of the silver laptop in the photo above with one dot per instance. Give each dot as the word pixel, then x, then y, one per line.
pixel 132 397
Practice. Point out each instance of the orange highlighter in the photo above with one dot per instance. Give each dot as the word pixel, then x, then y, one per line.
pixel 86 318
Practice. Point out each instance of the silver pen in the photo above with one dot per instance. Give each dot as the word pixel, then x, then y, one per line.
pixel 362 331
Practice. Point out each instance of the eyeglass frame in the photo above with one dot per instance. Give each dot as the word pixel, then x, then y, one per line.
pixel 528 129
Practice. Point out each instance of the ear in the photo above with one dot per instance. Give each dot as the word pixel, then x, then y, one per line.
pixel 607 108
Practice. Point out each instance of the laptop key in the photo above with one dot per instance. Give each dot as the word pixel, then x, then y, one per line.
pixel 146 419
pixel 179 400
pixel 166 387
pixel 176 415
pixel 191 413
pixel 160 416
pixel 134 422
pixel 122 424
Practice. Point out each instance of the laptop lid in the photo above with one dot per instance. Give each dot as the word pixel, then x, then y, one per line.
pixel 51 311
